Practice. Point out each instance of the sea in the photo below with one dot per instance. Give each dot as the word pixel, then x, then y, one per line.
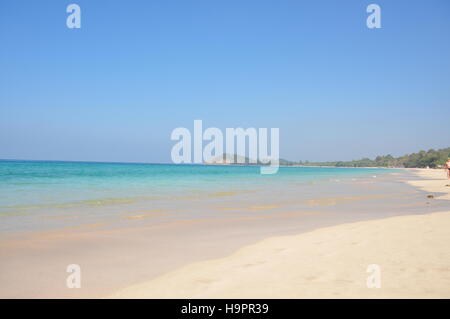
pixel 52 190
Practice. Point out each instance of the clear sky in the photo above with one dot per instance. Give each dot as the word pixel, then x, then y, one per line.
pixel 116 88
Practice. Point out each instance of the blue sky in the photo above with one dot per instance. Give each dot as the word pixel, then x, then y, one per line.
pixel 116 88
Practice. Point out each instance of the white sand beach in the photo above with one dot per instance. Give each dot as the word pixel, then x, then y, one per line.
pixel 412 253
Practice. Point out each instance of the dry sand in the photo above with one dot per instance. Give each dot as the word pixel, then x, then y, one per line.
pixel 435 182
pixel 412 252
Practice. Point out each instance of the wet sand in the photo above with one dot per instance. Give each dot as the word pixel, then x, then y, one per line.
pixel 143 245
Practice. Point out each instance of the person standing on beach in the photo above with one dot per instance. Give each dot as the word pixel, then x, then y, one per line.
pixel 447 165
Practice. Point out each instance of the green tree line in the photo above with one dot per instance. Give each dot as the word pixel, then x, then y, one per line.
pixel 431 158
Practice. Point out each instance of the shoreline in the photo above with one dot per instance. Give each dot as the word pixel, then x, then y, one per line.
pixel 329 262
pixel 136 247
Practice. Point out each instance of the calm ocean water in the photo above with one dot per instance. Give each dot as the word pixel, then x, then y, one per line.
pixel 30 184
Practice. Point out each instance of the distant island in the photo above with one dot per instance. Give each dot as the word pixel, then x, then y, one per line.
pixel 422 159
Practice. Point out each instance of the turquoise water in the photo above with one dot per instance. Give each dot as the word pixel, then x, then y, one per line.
pixel 28 184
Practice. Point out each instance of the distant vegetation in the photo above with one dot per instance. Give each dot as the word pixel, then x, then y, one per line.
pixel 431 158
pixel 422 159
